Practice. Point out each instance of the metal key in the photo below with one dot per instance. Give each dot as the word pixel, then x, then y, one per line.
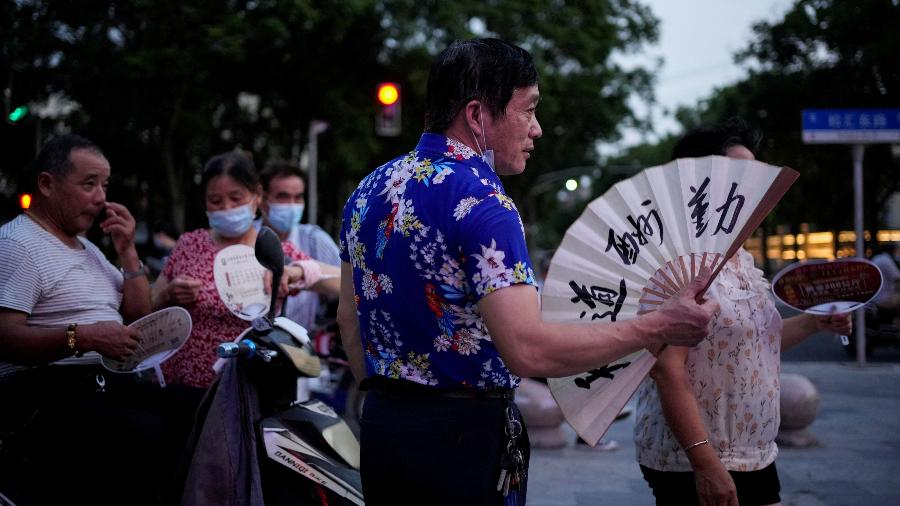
pixel 506 484
pixel 506 462
pixel 516 474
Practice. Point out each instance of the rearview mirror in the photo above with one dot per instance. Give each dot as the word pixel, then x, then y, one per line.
pixel 270 255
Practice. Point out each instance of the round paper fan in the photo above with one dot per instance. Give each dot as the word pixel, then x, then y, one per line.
pixel 638 244
pixel 822 287
pixel 239 281
pixel 162 334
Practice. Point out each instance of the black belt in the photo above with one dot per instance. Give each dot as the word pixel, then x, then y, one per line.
pixel 406 388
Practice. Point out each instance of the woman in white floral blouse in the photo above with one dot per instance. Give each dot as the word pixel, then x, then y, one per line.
pixel 706 423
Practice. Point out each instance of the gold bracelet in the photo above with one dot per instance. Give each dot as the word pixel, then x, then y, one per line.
pixel 71 341
pixel 698 443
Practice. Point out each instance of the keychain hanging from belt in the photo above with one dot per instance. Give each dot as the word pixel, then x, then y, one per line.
pixel 513 471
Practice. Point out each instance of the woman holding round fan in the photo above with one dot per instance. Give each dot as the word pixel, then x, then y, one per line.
pixel 706 425
pixel 232 193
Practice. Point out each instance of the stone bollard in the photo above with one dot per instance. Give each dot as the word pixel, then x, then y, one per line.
pixel 543 418
pixel 799 407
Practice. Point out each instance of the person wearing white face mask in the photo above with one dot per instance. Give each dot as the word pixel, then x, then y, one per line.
pixel 282 206
pixel 232 194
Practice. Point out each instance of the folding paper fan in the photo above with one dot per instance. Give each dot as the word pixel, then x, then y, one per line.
pixel 636 246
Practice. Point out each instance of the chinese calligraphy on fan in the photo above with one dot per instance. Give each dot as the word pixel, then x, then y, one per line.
pixel 628 244
pixel 607 371
pixel 729 211
pixel 599 295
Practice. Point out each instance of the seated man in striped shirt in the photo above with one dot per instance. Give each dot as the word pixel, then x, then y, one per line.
pixel 62 305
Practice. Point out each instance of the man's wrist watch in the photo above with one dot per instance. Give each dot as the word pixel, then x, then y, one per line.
pixel 71 341
pixel 141 271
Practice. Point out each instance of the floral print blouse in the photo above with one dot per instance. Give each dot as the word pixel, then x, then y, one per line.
pixel 735 377
pixel 428 234
pixel 212 322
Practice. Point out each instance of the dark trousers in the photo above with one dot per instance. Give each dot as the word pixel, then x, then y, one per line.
pixel 754 488
pixel 435 451
pixel 64 441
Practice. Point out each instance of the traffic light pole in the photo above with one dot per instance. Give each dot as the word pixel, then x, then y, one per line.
pixel 312 193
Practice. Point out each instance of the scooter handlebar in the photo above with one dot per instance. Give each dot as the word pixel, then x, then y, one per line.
pixel 244 349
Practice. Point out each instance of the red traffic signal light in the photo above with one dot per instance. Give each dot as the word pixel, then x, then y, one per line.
pixel 387 116
pixel 25 200
pixel 388 93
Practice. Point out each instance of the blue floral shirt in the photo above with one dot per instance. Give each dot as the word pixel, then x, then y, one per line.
pixel 428 234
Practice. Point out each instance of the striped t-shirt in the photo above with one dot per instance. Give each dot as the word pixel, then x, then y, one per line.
pixel 53 283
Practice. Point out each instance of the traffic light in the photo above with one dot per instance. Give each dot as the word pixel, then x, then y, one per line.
pixel 387 115
pixel 25 201
pixel 18 113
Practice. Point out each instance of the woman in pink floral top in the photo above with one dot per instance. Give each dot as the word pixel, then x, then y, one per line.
pixel 232 193
pixel 706 424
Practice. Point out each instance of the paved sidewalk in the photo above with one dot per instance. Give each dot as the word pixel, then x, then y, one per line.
pixel 856 462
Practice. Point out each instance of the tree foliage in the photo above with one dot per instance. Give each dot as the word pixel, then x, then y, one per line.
pixel 164 85
pixel 821 54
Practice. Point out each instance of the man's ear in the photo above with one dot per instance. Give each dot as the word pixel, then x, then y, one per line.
pixel 45 183
pixel 473 111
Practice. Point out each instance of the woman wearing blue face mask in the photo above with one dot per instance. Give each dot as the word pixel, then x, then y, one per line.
pixel 232 194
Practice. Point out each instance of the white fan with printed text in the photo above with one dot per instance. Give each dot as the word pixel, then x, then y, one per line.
pixel 636 246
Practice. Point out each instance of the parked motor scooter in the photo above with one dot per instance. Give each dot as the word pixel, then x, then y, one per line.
pixel 308 453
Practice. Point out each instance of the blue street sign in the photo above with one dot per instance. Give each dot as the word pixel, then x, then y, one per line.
pixel 851 126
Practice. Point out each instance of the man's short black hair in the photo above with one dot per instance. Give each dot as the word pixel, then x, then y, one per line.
pixel 54 155
pixel 715 139
pixel 488 70
pixel 281 168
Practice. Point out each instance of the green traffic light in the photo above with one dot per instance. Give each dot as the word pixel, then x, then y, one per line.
pixel 18 113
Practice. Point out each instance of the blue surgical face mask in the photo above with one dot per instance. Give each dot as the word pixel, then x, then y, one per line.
pixel 232 222
pixel 284 216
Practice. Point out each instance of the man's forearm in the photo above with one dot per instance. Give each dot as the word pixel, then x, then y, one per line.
pixel 23 344
pixel 532 347
pixel 353 347
pixel 348 321
pixel 136 301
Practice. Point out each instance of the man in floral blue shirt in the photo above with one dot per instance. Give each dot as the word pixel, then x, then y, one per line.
pixel 439 307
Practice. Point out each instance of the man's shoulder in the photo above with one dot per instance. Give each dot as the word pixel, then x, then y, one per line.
pixel 15 228
pixel 22 234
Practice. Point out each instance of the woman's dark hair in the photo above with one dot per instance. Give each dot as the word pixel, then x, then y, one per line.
pixel 234 164
pixel 54 154
pixel 281 168
pixel 488 70
pixel 715 139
